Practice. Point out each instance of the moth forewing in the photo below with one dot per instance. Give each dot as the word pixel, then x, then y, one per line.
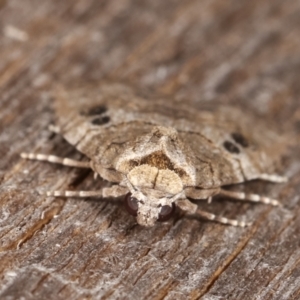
pixel 160 155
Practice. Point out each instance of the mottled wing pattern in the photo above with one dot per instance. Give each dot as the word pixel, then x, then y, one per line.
pixel 230 147
pixel 224 146
pixel 100 122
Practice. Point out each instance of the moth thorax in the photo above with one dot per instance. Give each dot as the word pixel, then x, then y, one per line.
pixel 148 177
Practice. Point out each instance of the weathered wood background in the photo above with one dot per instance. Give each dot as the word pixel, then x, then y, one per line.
pixel 242 52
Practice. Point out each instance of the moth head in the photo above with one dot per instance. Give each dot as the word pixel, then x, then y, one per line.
pixel 155 170
pixel 147 213
pixel 153 193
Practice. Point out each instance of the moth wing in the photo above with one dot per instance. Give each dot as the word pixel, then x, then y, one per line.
pixel 230 147
pixel 99 122
pixel 222 144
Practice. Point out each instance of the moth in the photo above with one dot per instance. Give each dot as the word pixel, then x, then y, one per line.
pixel 160 154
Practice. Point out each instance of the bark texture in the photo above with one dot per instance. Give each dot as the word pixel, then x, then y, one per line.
pixel 240 52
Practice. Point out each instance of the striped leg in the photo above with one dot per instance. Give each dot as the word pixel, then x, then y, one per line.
pixel 113 191
pixel 192 209
pixel 54 128
pixel 222 220
pixel 249 197
pixel 273 178
pixel 74 193
pixel 57 160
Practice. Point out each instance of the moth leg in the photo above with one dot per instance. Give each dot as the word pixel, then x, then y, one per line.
pixel 73 193
pixel 273 178
pixel 113 191
pixel 54 128
pixel 192 209
pixel 249 197
pixel 57 160
pixel 201 194
pixel 222 220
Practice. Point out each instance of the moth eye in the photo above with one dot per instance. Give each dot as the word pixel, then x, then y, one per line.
pixel 230 147
pixel 166 212
pixel 240 139
pixel 131 204
pixel 101 120
pixel 95 110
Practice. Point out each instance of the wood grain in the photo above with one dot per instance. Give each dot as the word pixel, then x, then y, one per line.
pixel 240 52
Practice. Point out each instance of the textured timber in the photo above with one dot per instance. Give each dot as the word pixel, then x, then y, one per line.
pixel 237 52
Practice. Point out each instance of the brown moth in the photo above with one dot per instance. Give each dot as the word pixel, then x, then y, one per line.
pixel 160 154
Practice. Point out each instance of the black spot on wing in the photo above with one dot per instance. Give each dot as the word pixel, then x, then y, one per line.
pixel 230 147
pixel 240 139
pixel 94 110
pixel 101 120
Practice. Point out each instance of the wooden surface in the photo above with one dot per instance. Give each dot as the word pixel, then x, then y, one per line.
pixel 242 52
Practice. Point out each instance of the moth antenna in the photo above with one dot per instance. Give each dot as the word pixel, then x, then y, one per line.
pixel 273 178
pixel 57 160
pixel 249 197
pixel 222 220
